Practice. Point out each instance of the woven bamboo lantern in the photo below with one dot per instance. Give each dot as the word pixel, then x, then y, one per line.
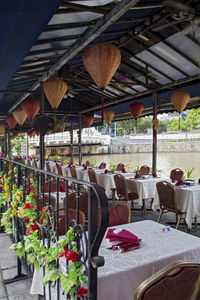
pixel 20 116
pixel 1 128
pixel 55 89
pixel 180 99
pixel 108 116
pixel 31 107
pixel 88 119
pixel 101 61
pixel 10 120
pixel 136 109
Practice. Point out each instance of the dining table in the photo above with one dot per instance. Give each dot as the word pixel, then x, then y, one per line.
pixel 122 273
pixel 187 200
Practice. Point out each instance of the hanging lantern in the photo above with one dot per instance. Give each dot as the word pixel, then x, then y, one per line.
pixel 62 128
pixel 136 109
pixel 108 116
pixel 33 133
pixel 88 119
pixel 37 133
pixel 20 116
pixel 31 107
pixel 55 89
pixel 102 61
pixel 1 128
pixel 30 133
pixel 10 120
pixel 180 99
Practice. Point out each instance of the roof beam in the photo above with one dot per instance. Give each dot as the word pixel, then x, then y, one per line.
pixel 118 11
pixel 95 9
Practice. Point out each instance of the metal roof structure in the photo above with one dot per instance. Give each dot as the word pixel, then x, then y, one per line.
pixel 159 43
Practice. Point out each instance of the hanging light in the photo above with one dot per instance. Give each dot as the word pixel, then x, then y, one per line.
pixel 108 116
pixel 136 109
pixel 10 120
pixel 1 128
pixel 30 133
pixel 88 119
pixel 31 107
pixel 180 99
pixel 55 89
pixel 20 116
pixel 102 61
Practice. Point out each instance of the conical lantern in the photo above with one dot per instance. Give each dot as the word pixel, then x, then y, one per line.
pixel 136 109
pixel 20 116
pixel 30 133
pixel 10 120
pixel 180 99
pixel 55 89
pixel 37 133
pixel 101 61
pixel 31 107
pixel 1 129
pixel 62 128
pixel 88 119
pixel 108 116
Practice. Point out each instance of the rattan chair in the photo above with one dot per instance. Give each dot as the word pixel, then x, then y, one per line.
pixel 83 202
pixel 92 176
pixel 179 281
pixel 71 219
pixel 144 170
pixel 120 167
pixel 73 172
pixel 102 165
pixel 167 198
pixel 87 163
pixel 176 174
pixel 59 169
pixel 48 167
pixel 120 183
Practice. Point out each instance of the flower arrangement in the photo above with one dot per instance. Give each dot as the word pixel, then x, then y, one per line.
pixel 35 225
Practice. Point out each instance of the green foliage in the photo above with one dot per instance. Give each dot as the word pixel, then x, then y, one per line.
pixel 189 172
pixel 113 167
pixel 93 164
pixel 191 122
pixel 16 144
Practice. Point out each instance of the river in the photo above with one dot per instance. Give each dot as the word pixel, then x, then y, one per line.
pixel 165 161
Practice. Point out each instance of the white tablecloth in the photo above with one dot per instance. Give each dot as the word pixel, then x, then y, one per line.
pixel 187 199
pixel 123 272
pixel 146 188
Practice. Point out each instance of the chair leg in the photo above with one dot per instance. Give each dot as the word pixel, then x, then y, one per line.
pixel 144 207
pixel 179 220
pixel 151 202
pixel 195 221
pixel 160 215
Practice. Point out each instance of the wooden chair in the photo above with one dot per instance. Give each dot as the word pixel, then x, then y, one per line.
pixel 144 170
pixel 34 164
pixel 120 167
pixel 176 174
pixel 180 281
pixel 47 200
pixel 167 198
pixel 119 213
pixel 59 169
pixel 73 172
pixel 87 163
pixel 83 203
pixel 120 183
pixel 48 167
pixel 92 176
pixel 71 219
pixel 102 165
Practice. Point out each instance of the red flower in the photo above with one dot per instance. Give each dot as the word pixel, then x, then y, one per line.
pixel 26 220
pixel 61 254
pixel 44 209
pixel 33 227
pixel 27 205
pixel 82 291
pixel 28 231
pixel 70 255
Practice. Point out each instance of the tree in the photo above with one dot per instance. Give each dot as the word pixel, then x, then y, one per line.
pixel 16 144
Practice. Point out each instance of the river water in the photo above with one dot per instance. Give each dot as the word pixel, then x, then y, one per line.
pixel 165 161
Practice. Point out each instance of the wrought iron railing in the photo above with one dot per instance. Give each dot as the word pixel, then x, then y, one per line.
pixel 88 237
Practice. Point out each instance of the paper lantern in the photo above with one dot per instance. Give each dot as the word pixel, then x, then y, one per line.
pixel 108 116
pixel 88 119
pixel 55 89
pixel 180 99
pixel 136 109
pixel 31 107
pixel 1 129
pixel 20 116
pixel 10 120
pixel 101 61
pixel 30 133
pixel 62 128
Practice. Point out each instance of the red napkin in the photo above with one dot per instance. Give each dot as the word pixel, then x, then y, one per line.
pixel 137 176
pixel 154 174
pixel 100 167
pixel 70 164
pixel 106 171
pixel 61 189
pixel 179 182
pixel 123 170
pixel 55 160
pixel 84 167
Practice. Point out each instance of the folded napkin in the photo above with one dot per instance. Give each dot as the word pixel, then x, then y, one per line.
pixel 137 176
pixel 70 164
pixel 179 182
pixel 122 239
pixel 123 170
pixel 154 174
pixel 100 167
pixel 106 171
pixel 61 189
pixel 84 167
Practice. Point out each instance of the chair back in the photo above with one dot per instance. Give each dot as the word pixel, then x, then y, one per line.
pixel 59 169
pixel 47 200
pixel 166 194
pixel 120 184
pixel 28 162
pixel 53 187
pixel 92 176
pixel 87 163
pixel 178 281
pixel 48 167
pixel 176 174
pixel 103 165
pixel 119 213
pixel 83 203
pixel 120 167
pixel 34 164
pixel 144 170
pixel 71 219
pixel 73 172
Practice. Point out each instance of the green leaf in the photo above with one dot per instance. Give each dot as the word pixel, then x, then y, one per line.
pixel 20 252
pixel 66 283
pixel 31 257
pixel 37 265
pixel 13 246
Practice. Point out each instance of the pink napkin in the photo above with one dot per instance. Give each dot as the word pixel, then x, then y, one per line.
pixel 84 167
pixel 124 170
pixel 100 167
pixel 179 182
pixel 106 171
pixel 137 176
pixel 70 164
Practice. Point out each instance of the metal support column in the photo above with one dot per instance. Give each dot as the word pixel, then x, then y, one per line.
pixel 8 140
pixel 27 146
pixel 5 140
pixel 71 142
pixel 79 141
pixel 154 145
pixel 42 151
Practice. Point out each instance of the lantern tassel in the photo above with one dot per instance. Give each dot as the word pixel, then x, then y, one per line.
pixel 102 112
